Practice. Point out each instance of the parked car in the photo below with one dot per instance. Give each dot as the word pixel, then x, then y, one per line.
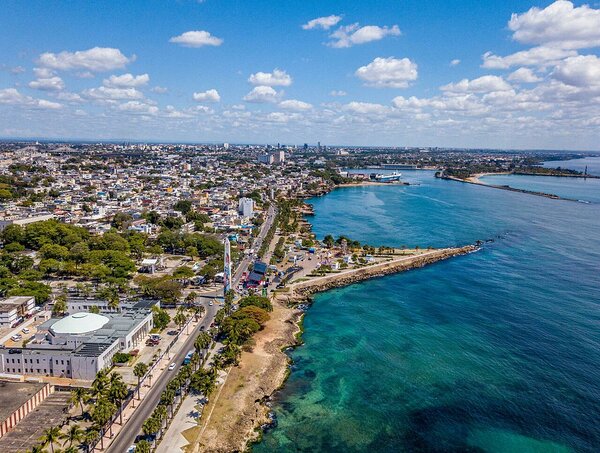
pixel 16 337
pixel 25 330
pixel 172 366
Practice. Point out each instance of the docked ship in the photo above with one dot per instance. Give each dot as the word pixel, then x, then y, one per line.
pixel 380 177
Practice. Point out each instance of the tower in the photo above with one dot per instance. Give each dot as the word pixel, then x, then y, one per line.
pixel 227 267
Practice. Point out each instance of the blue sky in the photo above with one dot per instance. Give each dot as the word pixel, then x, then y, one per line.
pixel 511 74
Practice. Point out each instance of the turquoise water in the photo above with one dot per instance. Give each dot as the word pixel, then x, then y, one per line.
pixel 496 351
pixel 584 189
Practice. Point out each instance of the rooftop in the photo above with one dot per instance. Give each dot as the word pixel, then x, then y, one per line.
pixel 14 394
pixel 79 323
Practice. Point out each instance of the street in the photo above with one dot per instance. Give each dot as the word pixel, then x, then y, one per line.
pixel 133 426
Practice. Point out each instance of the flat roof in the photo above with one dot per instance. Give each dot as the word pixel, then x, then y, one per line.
pixel 14 394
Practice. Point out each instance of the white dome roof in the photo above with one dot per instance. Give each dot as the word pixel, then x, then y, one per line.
pixel 78 323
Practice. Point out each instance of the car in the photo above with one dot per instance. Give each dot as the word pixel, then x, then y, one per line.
pixel 131 449
pixel 25 330
pixel 172 366
pixel 202 328
pixel 210 304
pixel 14 351
pixel 16 337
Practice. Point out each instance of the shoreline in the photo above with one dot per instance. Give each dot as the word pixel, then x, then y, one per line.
pixel 242 402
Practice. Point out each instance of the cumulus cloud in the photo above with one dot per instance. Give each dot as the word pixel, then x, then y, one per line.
pixel 207 96
pixel 97 59
pixel 560 25
pixel 50 84
pixel 271 79
pixel 127 81
pixel 388 72
pixel 366 108
pixel 351 35
pixel 582 71
pixel 524 75
pixel 11 96
pixel 324 23
pixel 455 62
pixel 536 56
pixel 109 93
pixel 138 107
pixel 483 84
pixel 337 93
pixel 262 94
pixel 196 38
pixel 295 105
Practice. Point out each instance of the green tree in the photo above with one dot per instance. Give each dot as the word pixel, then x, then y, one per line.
pixel 73 434
pixel 51 436
pixel 79 396
pixel 60 305
pixel 143 446
pixel 139 371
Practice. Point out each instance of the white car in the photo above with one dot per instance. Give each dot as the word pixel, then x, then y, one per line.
pixel 16 337
pixel 210 304
pixel 172 366
pixel 131 449
pixel 25 330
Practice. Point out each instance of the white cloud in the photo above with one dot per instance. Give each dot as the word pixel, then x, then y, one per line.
pixel 43 73
pixel 337 93
pixel 325 22
pixel 388 72
pixel 97 59
pixel 207 96
pixel 560 25
pixel 138 107
pixel 108 93
pixel 483 84
pixel 262 94
pixel 51 84
pixel 536 56
pixel 10 96
pixel 295 105
pixel 366 108
pixel 159 90
pixel 455 62
pixel 272 79
pixel 127 81
pixel 582 71
pixel 197 38
pixel 350 35
pixel 524 75
pixel 44 104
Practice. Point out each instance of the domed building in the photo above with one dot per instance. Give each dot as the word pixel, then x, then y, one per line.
pixel 80 344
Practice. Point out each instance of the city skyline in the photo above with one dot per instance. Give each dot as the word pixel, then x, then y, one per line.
pixel 518 75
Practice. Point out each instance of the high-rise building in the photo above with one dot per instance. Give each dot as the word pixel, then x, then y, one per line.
pixel 246 207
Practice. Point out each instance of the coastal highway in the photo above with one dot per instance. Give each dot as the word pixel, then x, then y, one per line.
pixel 133 426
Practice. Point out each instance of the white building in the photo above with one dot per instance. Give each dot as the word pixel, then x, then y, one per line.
pixel 79 345
pixel 14 308
pixel 246 207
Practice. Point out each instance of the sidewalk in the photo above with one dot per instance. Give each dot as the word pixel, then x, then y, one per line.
pixel 186 417
pixel 160 368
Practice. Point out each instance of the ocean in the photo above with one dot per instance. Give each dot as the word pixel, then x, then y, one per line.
pixel 496 351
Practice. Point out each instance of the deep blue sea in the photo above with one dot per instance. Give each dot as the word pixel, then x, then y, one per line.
pixel 496 351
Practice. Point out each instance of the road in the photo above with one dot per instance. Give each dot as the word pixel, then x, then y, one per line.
pixel 133 426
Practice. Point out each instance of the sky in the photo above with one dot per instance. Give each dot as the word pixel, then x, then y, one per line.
pixel 453 73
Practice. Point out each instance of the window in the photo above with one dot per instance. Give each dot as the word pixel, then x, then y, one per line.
pixel 38 361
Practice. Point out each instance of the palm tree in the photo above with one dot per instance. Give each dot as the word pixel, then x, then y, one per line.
pixel 117 393
pixel 90 437
pixel 103 412
pixel 100 384
pixel 50 436
pixel 143 446
pixel 71 449
pixel 78 396
pixel 73 434
pixel 180 318
pixel 36 449
pixel 151 426
pixel 139 371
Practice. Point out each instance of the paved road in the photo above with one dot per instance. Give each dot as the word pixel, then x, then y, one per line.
pixel 133 426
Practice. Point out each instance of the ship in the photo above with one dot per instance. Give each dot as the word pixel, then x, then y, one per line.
pixel 380 177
